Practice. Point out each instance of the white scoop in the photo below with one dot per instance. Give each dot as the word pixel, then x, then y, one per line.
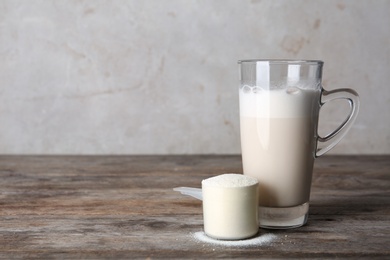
pixel 193 192
pixel 230 205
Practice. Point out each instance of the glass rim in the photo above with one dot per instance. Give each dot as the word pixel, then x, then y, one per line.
pixel 283 62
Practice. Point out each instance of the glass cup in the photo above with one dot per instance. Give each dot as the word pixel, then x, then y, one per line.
pixel 280 101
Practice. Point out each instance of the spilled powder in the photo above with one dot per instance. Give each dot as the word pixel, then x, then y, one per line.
pixel 258 240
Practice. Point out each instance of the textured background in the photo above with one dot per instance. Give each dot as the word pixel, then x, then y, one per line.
pixel 159 77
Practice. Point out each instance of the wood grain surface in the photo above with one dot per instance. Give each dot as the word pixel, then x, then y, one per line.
pixel 90 207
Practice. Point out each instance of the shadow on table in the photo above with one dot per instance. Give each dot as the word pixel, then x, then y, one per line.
pixel 336 206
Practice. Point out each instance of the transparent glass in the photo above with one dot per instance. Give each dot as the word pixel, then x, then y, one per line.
pixel 280 102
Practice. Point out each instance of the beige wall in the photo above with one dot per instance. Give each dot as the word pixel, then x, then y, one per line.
pixel 146 77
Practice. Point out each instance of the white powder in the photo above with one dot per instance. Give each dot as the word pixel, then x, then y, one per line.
pixel 230 180
pixel 258 240
pixel 230 206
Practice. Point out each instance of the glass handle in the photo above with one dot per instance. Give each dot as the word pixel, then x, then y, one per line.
pixel 334 137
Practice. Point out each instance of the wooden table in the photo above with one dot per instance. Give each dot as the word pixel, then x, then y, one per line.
pixel 124 207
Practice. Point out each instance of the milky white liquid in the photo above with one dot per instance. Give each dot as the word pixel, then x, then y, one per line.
pixel 230 206
pixel 278 130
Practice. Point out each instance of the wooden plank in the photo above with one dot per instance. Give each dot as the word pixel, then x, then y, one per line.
pixel 123 207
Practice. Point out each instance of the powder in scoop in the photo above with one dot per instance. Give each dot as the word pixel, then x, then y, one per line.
pixel 230 180
pixel 230 206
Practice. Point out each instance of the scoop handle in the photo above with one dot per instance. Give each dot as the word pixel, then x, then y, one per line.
pixel 193 192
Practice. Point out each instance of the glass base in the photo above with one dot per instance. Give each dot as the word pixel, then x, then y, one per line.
pixel 283 218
